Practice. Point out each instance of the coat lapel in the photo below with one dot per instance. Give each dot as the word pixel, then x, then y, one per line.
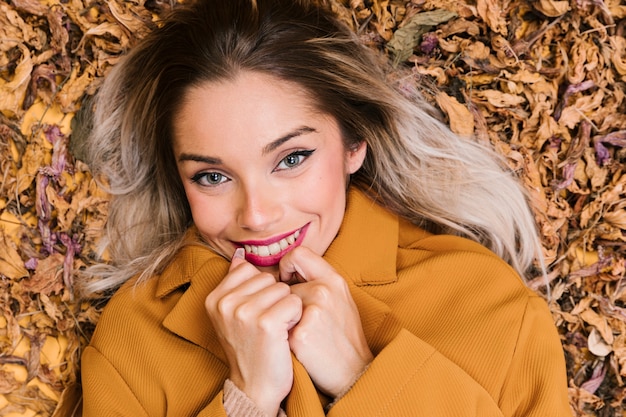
pixel 304 399
pixel 200 269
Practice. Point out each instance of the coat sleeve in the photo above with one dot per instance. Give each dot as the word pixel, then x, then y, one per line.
pixel 536 384
pixel 106 393
pixel 409 377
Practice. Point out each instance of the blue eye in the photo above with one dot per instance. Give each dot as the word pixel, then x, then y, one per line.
pixel 294 159
pixel 209 179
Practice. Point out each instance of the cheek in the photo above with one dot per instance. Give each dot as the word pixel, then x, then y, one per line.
pixel 327 190
pixel 207 215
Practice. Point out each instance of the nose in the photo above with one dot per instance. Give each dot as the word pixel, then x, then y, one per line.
pixel 259 208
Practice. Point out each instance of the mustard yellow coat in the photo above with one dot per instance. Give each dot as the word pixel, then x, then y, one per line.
pixel 453 329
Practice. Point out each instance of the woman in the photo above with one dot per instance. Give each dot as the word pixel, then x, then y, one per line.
pixel 291 234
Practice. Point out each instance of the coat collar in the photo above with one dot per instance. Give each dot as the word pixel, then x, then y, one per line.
pixel 364 253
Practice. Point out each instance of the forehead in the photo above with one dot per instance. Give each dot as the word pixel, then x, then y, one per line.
pixel 247 90
pixel 248 108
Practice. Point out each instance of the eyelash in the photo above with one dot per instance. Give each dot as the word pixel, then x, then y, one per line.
pixel 200 177
pixel 303 154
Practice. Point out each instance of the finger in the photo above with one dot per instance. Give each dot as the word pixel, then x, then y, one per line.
pixel 254 284
pixel 288 310
pixel 238 258
pixel 247 307
pixel 239 271
pixel 301 265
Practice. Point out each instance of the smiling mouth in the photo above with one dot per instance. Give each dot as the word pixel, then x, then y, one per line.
pixel 270 254
pixel 274 248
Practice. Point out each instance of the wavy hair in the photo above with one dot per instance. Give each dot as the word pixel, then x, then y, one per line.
pixel 415 165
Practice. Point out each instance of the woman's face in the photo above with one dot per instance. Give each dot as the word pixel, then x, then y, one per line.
pixel 261 168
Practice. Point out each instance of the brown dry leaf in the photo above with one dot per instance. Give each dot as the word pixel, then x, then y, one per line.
pixel 136 19
pixel 12 93
pixel 616 218
pixel 600 323
pixel 607 198
pixel 8 383
pixel 492 13
pixel 14 29
pixel 582 109
pixel 102 32
pixel 74 88
pixel 618 44
pixel 552 8
pixel 48 276
pixel 460 119
pixel 499 99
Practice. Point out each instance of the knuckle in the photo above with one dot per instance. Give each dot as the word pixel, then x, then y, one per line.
pixel 320 293
pixel 224 305
pixel 266 323
pixel 299 336
pixel 282 288
pixel 266 278
pixel 314 311
pixel 242 313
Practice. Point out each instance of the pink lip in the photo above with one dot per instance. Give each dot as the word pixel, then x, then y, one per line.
pixel 272 260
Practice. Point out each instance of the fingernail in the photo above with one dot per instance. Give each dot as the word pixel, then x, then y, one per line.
pixel 239 253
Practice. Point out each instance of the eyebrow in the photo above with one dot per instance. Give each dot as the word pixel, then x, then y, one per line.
pixel 266 149
pixel 275 144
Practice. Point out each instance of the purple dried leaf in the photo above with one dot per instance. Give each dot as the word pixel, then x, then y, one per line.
pixel 60 154
pixel 577 88
pixel 31 264
pixel 602 153
pixel 44 214
pixel 597 377
pixel 614 138
pixel 72 249
pixel 568 176
pixel 42 205
pixel 593 269
pixel 429 43
pixel 43 76
pixel 571 89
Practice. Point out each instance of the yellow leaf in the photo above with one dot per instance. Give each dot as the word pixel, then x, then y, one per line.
pixel 11 264
pixel 461 120
pixel 586 258
pixel 39 113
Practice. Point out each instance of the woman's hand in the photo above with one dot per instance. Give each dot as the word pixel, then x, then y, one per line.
pixel 253 314
pixel 329 339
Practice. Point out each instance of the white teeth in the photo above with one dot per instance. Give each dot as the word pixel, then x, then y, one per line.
pixel 274 248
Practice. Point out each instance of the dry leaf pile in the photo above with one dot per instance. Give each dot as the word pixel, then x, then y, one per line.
pixel 543 81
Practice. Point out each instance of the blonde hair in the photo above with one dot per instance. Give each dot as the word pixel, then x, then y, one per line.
pixel 415 165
